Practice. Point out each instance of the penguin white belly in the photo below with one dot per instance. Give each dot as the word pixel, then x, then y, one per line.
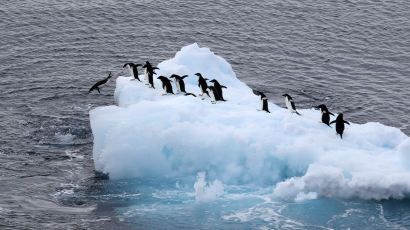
pixel 289 105
pixel 261 104
pixel 131 72
pixel 211 94
pixel 146 75
pixel 178 86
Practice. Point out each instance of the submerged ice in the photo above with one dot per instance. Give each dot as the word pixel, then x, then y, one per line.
pixel 175 136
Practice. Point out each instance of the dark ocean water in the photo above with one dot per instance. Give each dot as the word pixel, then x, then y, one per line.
pixel 353 56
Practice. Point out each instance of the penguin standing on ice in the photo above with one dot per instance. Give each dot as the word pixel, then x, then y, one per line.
pixel 290 104
pixel 340 124
pixel 218 87
pixel 133 70
pixel 166 85
pixel 100 84
pixel 264 100
pixel 325 114
pixel 213 94
pixel 202 84
pixel 149 74
pixel 180 84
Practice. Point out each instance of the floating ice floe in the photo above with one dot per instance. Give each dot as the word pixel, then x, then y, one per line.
pixel 146 134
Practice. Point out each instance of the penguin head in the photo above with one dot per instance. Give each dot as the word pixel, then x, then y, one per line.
pixel 198 74
pixel 340 116
pixel 147 65
pixel 161 78
pixel 286 95
pixel 174 76
pixel 322 107
pixel 213 81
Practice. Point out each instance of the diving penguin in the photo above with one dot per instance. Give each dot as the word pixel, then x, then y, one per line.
pixel 100 84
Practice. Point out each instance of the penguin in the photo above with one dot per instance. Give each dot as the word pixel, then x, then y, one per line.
pixel 264 100
pixel 180 85
pixel 166 85
pixel 149 74
pixel 290 104
pixel 218 87
pixel 325 114
pixel 340 124
pixel 133 70
pixel 202 84
pixel 100 83
pixel 213 94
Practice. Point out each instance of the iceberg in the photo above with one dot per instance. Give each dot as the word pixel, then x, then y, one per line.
pixel 147 134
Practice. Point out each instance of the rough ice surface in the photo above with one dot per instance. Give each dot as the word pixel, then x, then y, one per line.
pixel 175 136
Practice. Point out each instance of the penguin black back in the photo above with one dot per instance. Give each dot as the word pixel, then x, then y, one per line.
pixel 264 100
pixel 218 87
pixel 166 84
pixel 325 113
pixel 150 73
pixel 202 83
pixel 340 124
pixel 133 69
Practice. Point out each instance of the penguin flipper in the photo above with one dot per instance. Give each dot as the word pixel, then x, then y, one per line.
pixel 98 89
pixel 190 94
pixel 298 113
pixel 332 122
pixel 346 122
pixel 331 114
pixel 222 86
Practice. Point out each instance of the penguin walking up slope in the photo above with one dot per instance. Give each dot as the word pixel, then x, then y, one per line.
pixel 180 84
pixel 149 73
pixel 100 84
pixel 133 70
pixel 264 100
pixel 166 85
pixel 290 104
pixel 340 124
pixel 202 84
pixel 218 88
pixel 325 113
